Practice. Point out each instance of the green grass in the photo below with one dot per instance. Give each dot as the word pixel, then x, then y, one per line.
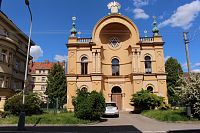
pixel 167 115
pixel 9 120
pixel 63 118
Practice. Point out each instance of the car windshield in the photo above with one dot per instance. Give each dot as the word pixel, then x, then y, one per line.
pixel 111 104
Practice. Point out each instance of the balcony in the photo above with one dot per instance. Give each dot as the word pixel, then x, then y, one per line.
pixel 84 40
pixel 8 36
pixel 146 39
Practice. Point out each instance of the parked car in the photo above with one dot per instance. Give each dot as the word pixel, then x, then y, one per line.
pixel 111 109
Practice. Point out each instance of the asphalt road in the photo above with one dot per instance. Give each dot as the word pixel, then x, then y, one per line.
pixel 148 125
pixel 126 123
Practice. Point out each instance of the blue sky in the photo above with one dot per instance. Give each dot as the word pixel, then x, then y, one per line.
pixel 52 23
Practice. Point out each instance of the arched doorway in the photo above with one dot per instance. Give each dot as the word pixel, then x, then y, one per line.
pixel 150 89
pixel 117 96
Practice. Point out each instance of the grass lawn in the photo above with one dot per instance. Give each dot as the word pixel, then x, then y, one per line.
pixel 167 115
pixel 63 118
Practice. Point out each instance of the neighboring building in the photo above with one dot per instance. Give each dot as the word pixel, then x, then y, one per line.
pixel 13 51
pixel 116 61
pixel 39 72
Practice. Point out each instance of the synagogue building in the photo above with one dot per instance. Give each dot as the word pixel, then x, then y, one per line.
pixel 116 60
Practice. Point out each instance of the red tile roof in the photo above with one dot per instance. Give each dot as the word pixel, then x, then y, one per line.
pixel 46 65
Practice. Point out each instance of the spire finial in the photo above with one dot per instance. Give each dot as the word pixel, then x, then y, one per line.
pixel 155 27
pixel 114 7
pixel 145 33
pixel 154 18
pixel 73 30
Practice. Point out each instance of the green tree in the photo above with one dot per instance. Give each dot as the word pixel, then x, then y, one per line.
pixel 174 71
pixel 56 85
pixel 144 100
pixel 89 106
pixel 189 93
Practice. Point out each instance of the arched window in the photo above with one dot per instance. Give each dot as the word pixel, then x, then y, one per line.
pixel 115 67
pixel 116 89
pixel 84 89
pixel 150 89
pixel 148 68
pixel 84 65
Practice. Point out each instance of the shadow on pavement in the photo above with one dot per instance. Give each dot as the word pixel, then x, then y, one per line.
pixel 75 129
pixel 185 131
pixel 110 116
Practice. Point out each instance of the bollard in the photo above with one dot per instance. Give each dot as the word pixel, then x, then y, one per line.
pixel 21 122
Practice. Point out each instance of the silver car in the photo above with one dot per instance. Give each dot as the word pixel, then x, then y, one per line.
pixel 111 109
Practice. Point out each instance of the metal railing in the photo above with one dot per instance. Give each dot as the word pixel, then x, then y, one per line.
pixel 84 40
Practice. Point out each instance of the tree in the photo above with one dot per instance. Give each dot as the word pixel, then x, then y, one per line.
pixel 89 106
pixel 144 100
pixel 189 93
pixel 32 104
pixel 174 71
pixel 56 85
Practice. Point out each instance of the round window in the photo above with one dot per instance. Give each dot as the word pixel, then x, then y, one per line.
pixel 114 42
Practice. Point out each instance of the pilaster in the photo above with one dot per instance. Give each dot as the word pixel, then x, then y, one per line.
pixel 2 102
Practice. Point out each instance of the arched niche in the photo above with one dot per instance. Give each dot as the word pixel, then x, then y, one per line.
pixel 112 24
pixel 116 30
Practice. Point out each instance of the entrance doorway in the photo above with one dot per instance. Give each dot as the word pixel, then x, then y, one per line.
pixel 117 96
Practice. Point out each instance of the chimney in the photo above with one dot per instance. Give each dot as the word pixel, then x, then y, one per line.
pixel 46 61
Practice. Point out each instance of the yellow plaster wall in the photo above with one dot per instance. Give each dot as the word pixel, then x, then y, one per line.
pixel 71 91
pixel 72 57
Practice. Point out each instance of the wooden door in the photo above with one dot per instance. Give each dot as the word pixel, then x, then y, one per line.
pixel 117 97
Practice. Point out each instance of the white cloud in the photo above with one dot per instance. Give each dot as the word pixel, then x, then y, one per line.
pixel 196 70
pixel 167 57
pixel 140 14
pixel 183 16
pixel 139 3
pixel 162 16
pixel 197 64
pixel 60 58
pixel 36 52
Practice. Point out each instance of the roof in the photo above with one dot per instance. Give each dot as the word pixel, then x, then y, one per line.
pixel 13 25
pixel 46 65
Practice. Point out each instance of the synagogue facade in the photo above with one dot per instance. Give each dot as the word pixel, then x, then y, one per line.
pixel 116 61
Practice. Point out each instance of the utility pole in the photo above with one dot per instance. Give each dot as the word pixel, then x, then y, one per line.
pixel 187 52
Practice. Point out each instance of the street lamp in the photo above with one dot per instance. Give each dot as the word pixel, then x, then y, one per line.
pixel 21 122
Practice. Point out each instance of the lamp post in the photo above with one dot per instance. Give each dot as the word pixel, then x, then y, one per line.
pixel 21 122
pixel 187 52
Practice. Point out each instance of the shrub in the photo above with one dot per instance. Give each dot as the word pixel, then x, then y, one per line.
pixel 2 114
pixel 32 104
pixel 164 106
pixel 89 106
pixel 144 100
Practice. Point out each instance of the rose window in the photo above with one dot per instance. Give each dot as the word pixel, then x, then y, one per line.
pixel 114 42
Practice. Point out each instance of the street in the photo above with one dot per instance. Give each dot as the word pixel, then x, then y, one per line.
pixel 126 123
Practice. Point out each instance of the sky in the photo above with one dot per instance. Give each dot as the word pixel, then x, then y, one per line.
pixel 52 23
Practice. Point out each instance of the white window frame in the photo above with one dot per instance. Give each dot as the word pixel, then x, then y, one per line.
pixel 1 81
pixel 43 79
pixel 43 87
